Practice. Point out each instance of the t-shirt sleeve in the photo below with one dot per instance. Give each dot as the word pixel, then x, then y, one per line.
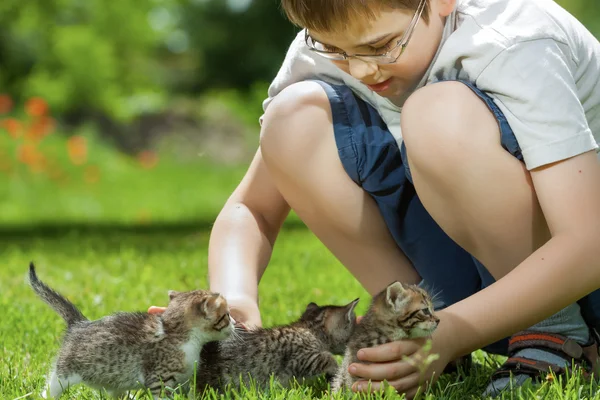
pixel 532 83
pixel 300 64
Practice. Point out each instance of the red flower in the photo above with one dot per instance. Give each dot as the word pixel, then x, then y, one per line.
pixel 6 103
pixel 13 126
pixel 36 107
pixel 40 128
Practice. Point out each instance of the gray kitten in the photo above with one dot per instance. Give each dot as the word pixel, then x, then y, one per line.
pixel 398 312
pixel 301 350
pixel 128 351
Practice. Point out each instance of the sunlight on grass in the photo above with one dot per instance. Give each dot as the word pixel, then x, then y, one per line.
pixel 121 242
pixel 103 273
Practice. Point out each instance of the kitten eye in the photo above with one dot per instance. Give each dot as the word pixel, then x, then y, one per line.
pixel 221 323
pixel 426 311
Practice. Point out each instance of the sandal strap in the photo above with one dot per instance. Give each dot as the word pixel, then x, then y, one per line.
pixel 522 365
pixel 560 344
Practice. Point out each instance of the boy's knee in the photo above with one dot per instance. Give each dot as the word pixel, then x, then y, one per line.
pixel 294 120
pixel 443 122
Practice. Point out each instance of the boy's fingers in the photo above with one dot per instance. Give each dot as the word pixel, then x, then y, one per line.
pixel 382 371
pixel 156 310
pixel 359 318
pixel 241 325
pixel 389 352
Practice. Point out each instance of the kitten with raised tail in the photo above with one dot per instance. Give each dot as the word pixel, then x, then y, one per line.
pixel 298 351
pixel 134 350
pixel 400 311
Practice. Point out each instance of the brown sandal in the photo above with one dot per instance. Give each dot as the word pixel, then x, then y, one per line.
pixel 585 356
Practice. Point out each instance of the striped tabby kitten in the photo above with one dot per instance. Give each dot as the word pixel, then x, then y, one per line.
pixel 398 312
pixel 301 350
pixel 128 351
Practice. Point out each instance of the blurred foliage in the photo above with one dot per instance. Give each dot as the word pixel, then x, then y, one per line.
pixel 236 46
pixel 123 59
pixel 177 85
pixel 84 55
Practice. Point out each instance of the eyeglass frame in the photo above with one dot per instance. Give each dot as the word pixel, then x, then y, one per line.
pixel 376 58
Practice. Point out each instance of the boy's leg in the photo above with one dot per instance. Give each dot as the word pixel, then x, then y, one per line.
pixel 330 156
pixel 477 191
pixel 299 149
pixel 304 160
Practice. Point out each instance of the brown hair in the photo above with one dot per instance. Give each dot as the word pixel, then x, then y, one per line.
pixel 334 15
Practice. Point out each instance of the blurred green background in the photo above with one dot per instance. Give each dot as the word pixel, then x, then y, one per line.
pixel 136 111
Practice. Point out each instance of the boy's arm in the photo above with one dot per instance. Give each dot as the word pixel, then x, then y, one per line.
pixel 556 275
pixel 559 273
pixel 534 86
pixel 242 240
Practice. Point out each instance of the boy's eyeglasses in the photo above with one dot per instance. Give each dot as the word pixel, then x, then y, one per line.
pixel 389 57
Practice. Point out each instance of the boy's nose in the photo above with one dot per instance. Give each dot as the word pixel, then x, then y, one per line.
pixel 361 69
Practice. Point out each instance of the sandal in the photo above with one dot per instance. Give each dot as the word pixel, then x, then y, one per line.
pixel 586 356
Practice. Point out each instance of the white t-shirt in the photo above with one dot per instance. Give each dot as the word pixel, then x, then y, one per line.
pixel 539 64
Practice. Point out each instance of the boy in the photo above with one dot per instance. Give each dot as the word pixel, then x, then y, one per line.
pixel 448 142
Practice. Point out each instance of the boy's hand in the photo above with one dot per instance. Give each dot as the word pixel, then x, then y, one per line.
pixel 401 364
pixel 156 310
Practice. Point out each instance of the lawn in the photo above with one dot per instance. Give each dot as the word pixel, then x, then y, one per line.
pixel 120 242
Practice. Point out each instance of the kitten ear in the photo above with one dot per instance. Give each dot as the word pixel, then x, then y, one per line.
pixel 311 307
pixel 209 305
pixel 311 312
pixel 350 315
pixel 173 294
pixel 394 295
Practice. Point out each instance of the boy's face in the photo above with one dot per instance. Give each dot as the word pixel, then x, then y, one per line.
pixel 396 80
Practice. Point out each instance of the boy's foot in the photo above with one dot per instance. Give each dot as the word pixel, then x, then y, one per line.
pixel 532 355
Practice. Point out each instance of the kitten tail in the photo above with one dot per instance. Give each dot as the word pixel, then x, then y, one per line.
pixel 62 306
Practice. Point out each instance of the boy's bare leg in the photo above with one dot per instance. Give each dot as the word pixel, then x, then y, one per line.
pixel 299 149
pixel 476 191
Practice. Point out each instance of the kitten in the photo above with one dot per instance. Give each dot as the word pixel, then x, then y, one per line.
pixel 301 350
pixel 398 312
pixel 127 350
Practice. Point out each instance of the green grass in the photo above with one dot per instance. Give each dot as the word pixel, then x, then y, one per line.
pixel 89 244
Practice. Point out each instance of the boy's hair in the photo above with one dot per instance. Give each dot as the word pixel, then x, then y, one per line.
pixel 335 15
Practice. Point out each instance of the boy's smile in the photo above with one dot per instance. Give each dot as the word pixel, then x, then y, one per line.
pixel 377 36
pixel 381 86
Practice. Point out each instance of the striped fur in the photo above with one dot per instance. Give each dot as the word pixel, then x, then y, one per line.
pixel 128 351
pixel 301 350
pixel 398 312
